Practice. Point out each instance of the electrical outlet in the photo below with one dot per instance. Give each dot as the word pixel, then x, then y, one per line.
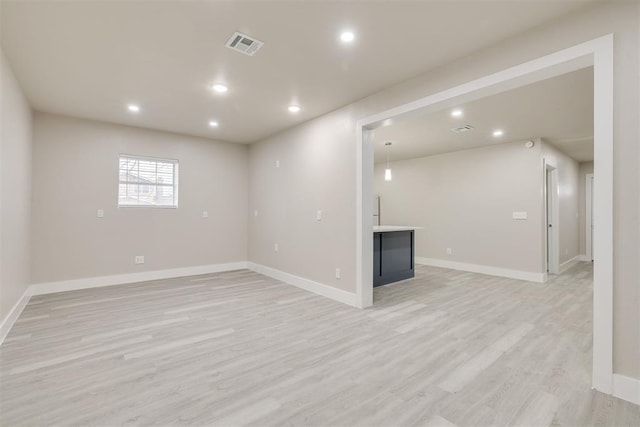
pixel 449 251
pixel 100 213
pixel 275 247
pixel 277 163
pixel 139 259
pixel 319 216
pixel 255 213
pixel 338 273
pixel 205 214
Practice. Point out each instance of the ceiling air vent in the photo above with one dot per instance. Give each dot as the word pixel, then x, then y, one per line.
pixel 244 44
pixel 461 129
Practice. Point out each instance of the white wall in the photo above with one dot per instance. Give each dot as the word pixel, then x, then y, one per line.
pixel 568 201
pixel 464 201
pixel 315 170
pixel 75 173
pixel 15 189
pixel 584 169
pixel 332 185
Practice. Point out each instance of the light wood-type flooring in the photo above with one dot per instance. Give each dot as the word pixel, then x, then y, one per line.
pixel 238 348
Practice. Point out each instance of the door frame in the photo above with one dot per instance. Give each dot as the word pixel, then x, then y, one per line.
pixel 597 53
pixel 588 236
pixel 552 243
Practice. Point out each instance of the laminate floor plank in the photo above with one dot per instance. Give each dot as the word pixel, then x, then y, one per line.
pixel 446 348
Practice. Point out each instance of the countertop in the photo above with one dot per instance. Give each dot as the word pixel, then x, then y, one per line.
pixel 388 228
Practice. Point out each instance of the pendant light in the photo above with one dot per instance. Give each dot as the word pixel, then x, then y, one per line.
pixel 387 171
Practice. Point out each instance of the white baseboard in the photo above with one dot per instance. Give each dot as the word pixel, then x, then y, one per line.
pixel 483 269
pixel 121 279
pixel 583 258
pixel 626 388
pixel 569 263
pixel 306 284
pixel 10 319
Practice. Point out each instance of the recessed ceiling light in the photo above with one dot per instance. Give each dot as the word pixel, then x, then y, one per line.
pixel 213 123
pixel 133 108
pixel 456 113
pixel 220 88
pixel 498 132
pixel 347 36
pixel 294 108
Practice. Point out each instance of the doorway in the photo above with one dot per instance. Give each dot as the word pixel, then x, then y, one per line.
pixel 552 234
pixel 597 53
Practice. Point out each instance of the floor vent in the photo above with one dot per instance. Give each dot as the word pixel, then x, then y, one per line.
pixel 461 129
pixel 244 44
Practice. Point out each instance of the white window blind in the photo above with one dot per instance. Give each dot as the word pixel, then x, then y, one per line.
pixel 147 181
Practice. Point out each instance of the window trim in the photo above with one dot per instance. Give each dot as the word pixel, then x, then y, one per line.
pixel 175 185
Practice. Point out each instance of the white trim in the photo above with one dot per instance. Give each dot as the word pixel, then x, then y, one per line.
pixel 570 263
pixel 364 218
pixel 483 269
pixel 626 388
pixel 588 236
pixel 14 313
pixel 121 279
pixel 597 52
pixel 583 258
pixel 306 284
pixel 603 211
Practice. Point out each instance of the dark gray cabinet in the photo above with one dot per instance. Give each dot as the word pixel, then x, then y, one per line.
pixel 393 256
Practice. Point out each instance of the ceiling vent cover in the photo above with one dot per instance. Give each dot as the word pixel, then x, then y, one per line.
pixel 244 44
pixel 461 129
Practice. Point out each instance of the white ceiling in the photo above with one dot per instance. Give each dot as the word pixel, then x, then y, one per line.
pixel 559 110
pixel 89 59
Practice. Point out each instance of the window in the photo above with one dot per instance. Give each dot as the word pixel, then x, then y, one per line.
pixel 147 181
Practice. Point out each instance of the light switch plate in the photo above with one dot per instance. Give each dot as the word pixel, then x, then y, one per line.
pixel 205 214
pixel 319 215
pixel 519 215
pixel 139 259
pixel 100 213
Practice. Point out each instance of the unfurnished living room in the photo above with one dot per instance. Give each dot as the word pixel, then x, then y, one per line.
pixel 320 213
